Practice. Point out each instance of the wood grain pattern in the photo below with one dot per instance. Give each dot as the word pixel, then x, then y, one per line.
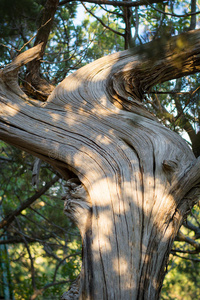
pixel 140 177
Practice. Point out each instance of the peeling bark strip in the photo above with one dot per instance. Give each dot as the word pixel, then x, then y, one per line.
pixel 140 178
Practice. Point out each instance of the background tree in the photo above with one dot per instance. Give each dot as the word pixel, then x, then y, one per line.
pixel 169 100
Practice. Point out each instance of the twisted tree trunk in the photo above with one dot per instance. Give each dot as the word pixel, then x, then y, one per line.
pixel 139 179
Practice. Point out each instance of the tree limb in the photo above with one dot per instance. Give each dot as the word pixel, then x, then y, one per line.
pixel 183 238
pixel 116 3
pixel 172 14
pixel 193 16
pixel 29 254
pixel 61 262
pixel 11 217
pixel 40 291
pixel 42 88
pixel 192 227
pixel 10 72
pixel 196 251
pixel 18 240
pixel 102 23
pixel 187 258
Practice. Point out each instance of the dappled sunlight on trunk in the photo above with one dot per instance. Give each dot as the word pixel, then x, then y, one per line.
pixel 135 175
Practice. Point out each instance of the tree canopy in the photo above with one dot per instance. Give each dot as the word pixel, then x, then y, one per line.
pixel 40 250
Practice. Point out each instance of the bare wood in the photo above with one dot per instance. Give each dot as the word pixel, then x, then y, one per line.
pixel 8 75
pixel 139 177
pixel 22 59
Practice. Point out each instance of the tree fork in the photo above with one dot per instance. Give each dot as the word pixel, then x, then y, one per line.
pixel 138 178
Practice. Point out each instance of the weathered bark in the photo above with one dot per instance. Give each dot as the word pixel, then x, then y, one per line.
pixel 138 178
pixel 35 84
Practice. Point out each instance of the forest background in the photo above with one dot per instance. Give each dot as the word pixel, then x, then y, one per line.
pixel 40 248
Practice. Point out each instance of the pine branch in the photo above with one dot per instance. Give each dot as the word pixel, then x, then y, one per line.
pixel 11 217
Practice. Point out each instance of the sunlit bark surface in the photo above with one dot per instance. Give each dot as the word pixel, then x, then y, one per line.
pixel 138 178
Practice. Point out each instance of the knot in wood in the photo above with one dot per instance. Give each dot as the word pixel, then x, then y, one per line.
pixel 169 165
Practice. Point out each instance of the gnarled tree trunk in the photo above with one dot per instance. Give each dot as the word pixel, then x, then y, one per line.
pixel 138 178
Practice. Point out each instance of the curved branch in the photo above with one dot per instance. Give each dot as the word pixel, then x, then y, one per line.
pixel 178 57
pixel 9 74
pixel 61 262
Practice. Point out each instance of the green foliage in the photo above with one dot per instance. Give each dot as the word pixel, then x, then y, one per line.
pixel 53 241
pixel 102 40
pixel 18 23
pixel 182 281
